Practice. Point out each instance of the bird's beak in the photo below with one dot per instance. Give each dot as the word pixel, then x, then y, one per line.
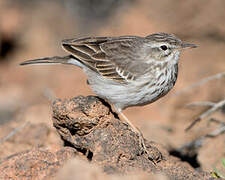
pixel 187 46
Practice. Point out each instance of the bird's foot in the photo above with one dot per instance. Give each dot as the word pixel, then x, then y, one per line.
pixel 152 153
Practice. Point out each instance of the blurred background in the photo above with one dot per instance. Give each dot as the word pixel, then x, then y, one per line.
pixel 34 28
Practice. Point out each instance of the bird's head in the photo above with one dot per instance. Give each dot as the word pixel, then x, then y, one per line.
pixel 165 47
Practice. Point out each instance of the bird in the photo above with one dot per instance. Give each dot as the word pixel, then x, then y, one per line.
pixel 126 71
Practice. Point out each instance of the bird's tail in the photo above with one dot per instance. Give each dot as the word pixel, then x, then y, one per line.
pixel 52 60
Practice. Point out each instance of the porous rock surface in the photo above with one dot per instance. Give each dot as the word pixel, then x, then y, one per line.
pixel 90 130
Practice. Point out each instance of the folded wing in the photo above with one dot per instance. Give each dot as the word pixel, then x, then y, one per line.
pixel 112 57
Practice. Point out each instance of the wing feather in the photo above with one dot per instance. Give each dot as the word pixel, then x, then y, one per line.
pixel 109 56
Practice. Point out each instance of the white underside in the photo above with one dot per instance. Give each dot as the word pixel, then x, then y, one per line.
pixel 125 95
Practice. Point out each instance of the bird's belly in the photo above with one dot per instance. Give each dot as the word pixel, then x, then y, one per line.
pixel 123 96
pixel 148 94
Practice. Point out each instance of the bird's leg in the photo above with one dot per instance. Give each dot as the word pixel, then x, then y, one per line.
pixel 127 120
pixel 154 154
pixel 141 138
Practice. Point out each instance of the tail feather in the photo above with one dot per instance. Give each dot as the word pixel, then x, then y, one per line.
pixel 48 60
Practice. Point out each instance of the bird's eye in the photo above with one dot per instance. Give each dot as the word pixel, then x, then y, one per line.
pixel 164 47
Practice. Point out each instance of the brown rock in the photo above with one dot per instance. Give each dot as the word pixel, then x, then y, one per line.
pixel 86 171
pixel 34 164
pixel 89 125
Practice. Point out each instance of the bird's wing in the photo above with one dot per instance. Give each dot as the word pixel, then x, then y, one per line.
pixel 116 58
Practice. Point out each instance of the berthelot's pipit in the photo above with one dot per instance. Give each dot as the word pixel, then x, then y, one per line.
pixel 127 70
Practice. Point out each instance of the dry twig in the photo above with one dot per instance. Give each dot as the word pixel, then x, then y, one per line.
pixel 207 113
pixel 216 132
pixel 193 145
pixel 13 132
pixel 202 103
